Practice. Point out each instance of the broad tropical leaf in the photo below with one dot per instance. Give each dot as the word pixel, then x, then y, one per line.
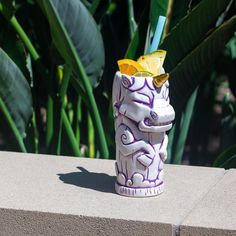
pixel 74 29
pixel 83 52
pixel 15 92
pixel 185 77
pixel 191 30
pixel 178 10
pixel 227 159
pixel 13 47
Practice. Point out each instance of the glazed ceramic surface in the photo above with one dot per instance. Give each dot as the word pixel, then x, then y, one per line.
pixel 142 116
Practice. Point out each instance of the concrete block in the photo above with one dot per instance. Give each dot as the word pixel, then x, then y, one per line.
pixel 216 213
pixel 50 195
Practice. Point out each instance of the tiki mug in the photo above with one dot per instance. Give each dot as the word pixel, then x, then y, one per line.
pixel 142 116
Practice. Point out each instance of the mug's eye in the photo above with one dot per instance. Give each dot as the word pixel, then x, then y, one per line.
pixel 144 99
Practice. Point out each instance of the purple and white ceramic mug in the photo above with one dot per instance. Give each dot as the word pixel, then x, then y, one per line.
pixel 142 114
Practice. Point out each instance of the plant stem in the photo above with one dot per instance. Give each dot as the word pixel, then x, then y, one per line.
pixel 65 81
pixel 78 119
pixel 36 138
pixel 93 106
pixel 97 121
pixel 58 147
pixel 12 125
pixel 49 128
pixel 170 147
pixel 91 103
pixel 70 133
pixel 184 127
pixel 91 146
pixel 62 93
pixel 131 19
pixel 14 22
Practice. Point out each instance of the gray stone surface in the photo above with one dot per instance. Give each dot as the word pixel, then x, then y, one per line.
pixel 216 213
pixel 75 196
pixel 23 223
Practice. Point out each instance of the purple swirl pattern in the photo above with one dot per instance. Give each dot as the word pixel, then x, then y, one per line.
pixel 127 81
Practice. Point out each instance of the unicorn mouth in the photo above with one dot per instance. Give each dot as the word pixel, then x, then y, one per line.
pixel 148 126
pixel 149 123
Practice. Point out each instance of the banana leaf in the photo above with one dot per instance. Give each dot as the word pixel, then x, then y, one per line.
pixel 178 11
pixel 191 30
pixel 82 51
pixel 16 99
pixel 74 29
pixel 185 77
pixel 227 159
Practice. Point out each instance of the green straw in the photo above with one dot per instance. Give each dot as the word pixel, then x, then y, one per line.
pixel 157 34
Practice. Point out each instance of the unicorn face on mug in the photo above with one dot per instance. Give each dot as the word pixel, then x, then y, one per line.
pixel 133 92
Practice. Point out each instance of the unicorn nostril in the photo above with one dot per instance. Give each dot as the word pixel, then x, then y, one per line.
pixel 154 115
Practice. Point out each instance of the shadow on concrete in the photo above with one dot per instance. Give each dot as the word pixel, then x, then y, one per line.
pixel 85 179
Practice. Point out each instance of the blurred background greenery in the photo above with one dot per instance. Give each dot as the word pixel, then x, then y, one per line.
pixel 58 59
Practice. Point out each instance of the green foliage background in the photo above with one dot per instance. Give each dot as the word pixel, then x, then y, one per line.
pixel 58 59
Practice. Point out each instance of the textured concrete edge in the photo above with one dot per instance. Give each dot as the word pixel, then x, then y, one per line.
pixel 204 195
pixel 201 231
pixel 186 229
pixel 177 228
pixel 21 223
pixel 28 222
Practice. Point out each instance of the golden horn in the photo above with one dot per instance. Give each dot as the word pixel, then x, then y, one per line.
pixel 159 80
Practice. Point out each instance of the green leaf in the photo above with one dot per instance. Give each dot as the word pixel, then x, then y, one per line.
pixel 178 10
pixel 13 47
pixel 15 92
pixel 94 6
pixel 157 8
pixel 181 9
pixel 12 136
pixel 69 131
pixel 184 120
pixel 191 30
pixel 231 47
pixel 136 46
pixel 228 122
pixel 8 8
pixel 74 29
pixel 85 47
pixel 227 159
pixel 186 76
pixel 91 138
pixel 131 18
pixel 171 142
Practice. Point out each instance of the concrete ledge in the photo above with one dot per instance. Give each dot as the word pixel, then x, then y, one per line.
pixel 216 213
pixel 21 223
pixel 48 195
